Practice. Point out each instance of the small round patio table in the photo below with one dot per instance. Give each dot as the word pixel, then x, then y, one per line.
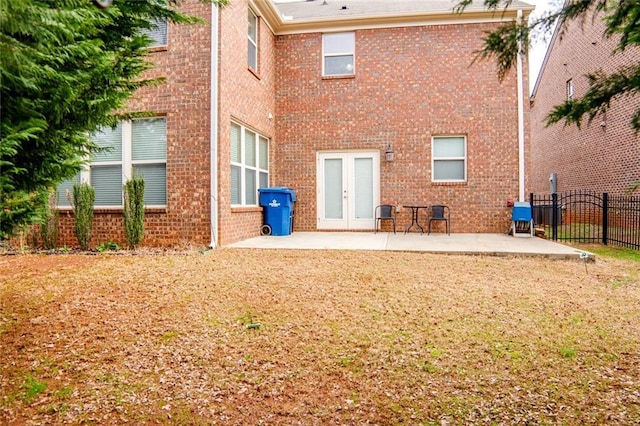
pixel 414 217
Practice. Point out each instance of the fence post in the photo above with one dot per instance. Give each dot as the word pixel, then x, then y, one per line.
pixel 605 217
pixel 533 216
pixel 554 216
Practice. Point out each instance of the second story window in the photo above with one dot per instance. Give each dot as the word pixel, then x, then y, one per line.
pixel 252 59
pixel 157 33
pixel 338 54
pixel 570 89
pixel 449 159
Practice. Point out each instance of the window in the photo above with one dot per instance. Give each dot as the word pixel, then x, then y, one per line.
pixel 65 191
pixel 249 165
pixel 157 33
pixel 106 168
pixel 338 53
pixel 570 89
pixel 449 157
pixel 149 158
pixel 138 146
pixel 253 41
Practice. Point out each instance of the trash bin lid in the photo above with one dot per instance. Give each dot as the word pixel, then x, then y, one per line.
pixel 521 204
pixel 279 190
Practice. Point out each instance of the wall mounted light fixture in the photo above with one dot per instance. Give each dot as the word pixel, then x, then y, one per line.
pixel 389 154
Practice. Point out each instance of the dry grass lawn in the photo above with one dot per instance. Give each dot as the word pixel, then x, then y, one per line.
pixel 272 337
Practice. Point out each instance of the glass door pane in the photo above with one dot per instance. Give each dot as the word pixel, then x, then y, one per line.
pixel 333 207
pixel 363 188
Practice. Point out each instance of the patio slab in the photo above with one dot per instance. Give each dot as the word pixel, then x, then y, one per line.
pixel 475 244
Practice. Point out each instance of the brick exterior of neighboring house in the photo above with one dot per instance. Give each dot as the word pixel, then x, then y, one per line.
pixel 414 80
pixel 601 156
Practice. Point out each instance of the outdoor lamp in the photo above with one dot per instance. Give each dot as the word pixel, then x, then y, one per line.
pixel 389 154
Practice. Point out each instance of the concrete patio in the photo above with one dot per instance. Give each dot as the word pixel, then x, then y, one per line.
pixel 475 244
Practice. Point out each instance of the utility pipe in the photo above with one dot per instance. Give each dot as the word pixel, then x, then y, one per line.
pixel 521 157
pixel 213 126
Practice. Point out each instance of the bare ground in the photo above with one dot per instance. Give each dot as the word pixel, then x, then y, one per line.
pixel 274 337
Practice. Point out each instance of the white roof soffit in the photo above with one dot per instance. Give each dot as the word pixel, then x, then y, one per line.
pixel 314 16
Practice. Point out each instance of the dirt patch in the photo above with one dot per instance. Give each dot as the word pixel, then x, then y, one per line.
pixel 317 337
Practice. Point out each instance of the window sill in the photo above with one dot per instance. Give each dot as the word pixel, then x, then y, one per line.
pixel 119 210
pixel 465 183
pixel 155 210
pixel 339 77
pixel 158 49
pixel 246 209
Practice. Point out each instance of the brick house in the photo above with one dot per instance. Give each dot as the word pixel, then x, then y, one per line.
pixel 601 156
pixel 311 95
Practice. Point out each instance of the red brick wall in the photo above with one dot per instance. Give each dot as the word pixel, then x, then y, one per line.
pixel 595 157
pixel 410 84
pixel 247 97
pixel 185 100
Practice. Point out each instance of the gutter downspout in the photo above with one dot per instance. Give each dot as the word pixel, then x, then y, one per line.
pixel 213 126
pixel 521 162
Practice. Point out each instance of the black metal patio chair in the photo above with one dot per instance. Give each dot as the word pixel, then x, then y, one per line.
pixel 439 213
pixel 385 212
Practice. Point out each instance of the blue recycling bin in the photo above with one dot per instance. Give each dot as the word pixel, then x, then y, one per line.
pixel 277 207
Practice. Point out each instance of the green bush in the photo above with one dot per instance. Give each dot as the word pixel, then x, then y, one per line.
pixel 108 246
pixel 134 210
pixel 19 210
pixel 50 222
pixel 83 197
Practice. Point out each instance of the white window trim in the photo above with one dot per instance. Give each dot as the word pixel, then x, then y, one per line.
pixel 243 167
pixel 434 159
pixel 570 89
pixel 127 164
pixel 345 53
pixel 254 42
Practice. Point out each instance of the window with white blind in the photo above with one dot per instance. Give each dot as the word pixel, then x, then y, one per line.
pixel 106 168
pixel 570 89
pixel 64 191
pixel 133 147
pixel 249 165
pixel 149 158
pixel 158 32
pixel 449 159
pixel 252 37
pixel 338 53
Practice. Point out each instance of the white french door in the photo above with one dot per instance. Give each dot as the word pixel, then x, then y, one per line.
pixel 348 189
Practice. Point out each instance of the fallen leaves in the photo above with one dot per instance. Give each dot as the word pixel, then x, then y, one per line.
pixel 317 337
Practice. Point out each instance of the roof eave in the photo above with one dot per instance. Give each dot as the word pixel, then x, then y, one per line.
pixel 280 26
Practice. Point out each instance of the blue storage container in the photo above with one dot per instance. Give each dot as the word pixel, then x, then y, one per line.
pixel 277 207
pixel 522 223
pixel 521 212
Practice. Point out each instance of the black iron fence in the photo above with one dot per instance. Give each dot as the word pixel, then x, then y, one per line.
pixel 588 217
